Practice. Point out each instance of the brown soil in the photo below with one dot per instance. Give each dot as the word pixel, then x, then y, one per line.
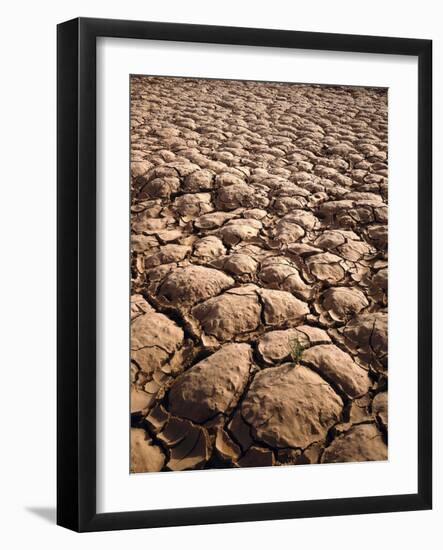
pixel 259 236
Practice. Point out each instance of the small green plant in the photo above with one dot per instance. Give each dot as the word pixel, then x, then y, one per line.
pixel 296 350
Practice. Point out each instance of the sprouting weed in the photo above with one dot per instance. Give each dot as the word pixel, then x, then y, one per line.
pixel 296 350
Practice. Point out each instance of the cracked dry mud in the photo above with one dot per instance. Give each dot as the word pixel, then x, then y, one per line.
pixel 258 218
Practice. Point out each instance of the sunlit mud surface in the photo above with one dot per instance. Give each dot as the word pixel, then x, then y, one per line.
pixel 259 274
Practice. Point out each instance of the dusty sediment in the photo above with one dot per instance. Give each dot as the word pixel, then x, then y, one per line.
pixel 258 219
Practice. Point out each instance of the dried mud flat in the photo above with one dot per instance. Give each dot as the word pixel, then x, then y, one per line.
pixel 259 219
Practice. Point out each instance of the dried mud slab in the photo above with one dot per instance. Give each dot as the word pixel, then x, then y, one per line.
pixel 212 386
pixel 226 448
pixel 192 284
pixel 259 274
pixel 339 368
pixel 257 456
pixel 290 406
pixel 380 408
pixel 145 456
pixel 188 444
pixel 366 335
pixel 338 304
pixel 140 401
pixel 361 443
pixel 275 346
pixel 229 315
pixel 154 339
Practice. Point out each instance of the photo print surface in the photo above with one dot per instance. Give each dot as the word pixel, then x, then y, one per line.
pixel 259 274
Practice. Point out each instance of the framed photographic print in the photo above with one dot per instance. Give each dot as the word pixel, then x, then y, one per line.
pixel 244 274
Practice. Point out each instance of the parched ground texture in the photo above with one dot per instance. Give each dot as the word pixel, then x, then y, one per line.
pixel 259 226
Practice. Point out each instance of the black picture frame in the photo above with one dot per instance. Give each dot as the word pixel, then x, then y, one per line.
pixel 76 265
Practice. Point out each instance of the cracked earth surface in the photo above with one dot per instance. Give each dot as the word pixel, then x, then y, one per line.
pixel 258 217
